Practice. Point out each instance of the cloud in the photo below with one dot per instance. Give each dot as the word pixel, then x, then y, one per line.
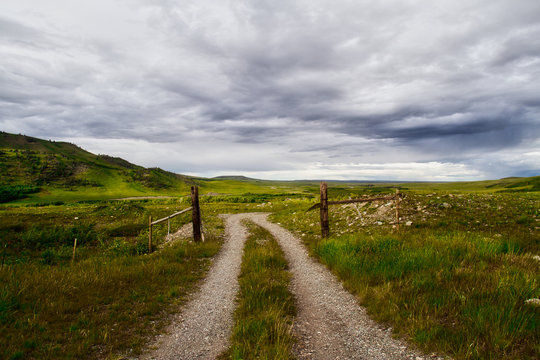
pixel 280 84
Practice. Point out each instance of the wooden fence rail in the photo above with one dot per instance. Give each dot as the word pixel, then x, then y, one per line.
pixel 323 205
pixel 352 201
pixel 170 216
pixel 196 218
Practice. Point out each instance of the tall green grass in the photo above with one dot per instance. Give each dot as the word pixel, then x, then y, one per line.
pixel 263 318
pixel 455 281
pixel 460 293
pixel 112 297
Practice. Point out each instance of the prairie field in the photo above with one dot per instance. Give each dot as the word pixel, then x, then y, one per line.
pixel 454 278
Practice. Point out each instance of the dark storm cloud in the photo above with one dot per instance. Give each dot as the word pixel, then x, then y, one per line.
pixel 337 82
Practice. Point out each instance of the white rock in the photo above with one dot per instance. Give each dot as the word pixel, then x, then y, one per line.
pixel 533 302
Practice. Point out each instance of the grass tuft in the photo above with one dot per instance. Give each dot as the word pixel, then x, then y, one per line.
pixel 263 318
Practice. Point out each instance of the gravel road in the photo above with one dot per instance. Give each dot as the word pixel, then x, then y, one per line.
pixel 203 327
pixel 330 324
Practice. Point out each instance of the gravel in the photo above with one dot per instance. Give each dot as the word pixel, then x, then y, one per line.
pixel 330 324
pixel 203 327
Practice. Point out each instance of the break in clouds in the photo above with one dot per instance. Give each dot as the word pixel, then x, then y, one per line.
pixel 406 90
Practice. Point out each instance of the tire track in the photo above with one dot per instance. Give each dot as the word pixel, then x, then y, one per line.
pixel 330 324
pixel 203 327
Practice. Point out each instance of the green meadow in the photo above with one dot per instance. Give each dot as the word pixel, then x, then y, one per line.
pixel 455 278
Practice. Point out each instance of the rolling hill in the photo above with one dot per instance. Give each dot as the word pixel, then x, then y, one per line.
pixel 31 165
pixel 37 170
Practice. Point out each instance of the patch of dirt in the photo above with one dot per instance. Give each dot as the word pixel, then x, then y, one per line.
pixel 184 233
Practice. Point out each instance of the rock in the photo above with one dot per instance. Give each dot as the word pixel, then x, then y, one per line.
pixel 408 223
pixel 533 302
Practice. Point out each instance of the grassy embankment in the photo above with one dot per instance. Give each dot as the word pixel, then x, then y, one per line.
pixel 263 318
pixel 112 297
pixel 456 280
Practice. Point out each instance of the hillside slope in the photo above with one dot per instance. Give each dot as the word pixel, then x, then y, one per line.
pixel 31 165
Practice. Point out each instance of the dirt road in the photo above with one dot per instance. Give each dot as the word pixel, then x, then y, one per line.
pixel 329 325
pixel 203 327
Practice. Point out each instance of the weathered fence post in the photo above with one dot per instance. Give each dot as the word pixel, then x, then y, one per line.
pixel 150 234
pixel 74 248
pixel 397 208
pixel 325 228
pixel 196 213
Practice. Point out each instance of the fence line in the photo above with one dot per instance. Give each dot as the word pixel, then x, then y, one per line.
pixel 352 201
pixel 323 205
pixel 196 218
pixel 171 216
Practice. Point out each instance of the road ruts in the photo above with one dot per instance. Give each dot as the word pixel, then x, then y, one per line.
pixel 330 324
pixel 203 327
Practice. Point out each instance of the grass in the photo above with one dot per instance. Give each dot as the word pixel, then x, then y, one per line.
pixel 112 298
pixel 454 281
pixel 263 318
pixel 462 294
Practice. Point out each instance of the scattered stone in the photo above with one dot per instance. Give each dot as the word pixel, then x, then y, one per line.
pixel 408 223
pixel 533 302
pixel 536 257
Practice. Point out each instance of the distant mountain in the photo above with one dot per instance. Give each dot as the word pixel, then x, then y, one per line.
pixel 31 165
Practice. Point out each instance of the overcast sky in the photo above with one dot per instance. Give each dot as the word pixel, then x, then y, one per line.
pixel 275 89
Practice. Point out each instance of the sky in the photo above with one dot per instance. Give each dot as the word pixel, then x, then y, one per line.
pixel 443 90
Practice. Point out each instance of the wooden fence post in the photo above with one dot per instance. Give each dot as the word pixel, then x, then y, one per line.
pixel 325 228
pixel 196 213
pixel 150 234
pixel 74 248
pixel 397 208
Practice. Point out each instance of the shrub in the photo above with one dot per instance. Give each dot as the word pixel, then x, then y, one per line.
pixel 15 192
